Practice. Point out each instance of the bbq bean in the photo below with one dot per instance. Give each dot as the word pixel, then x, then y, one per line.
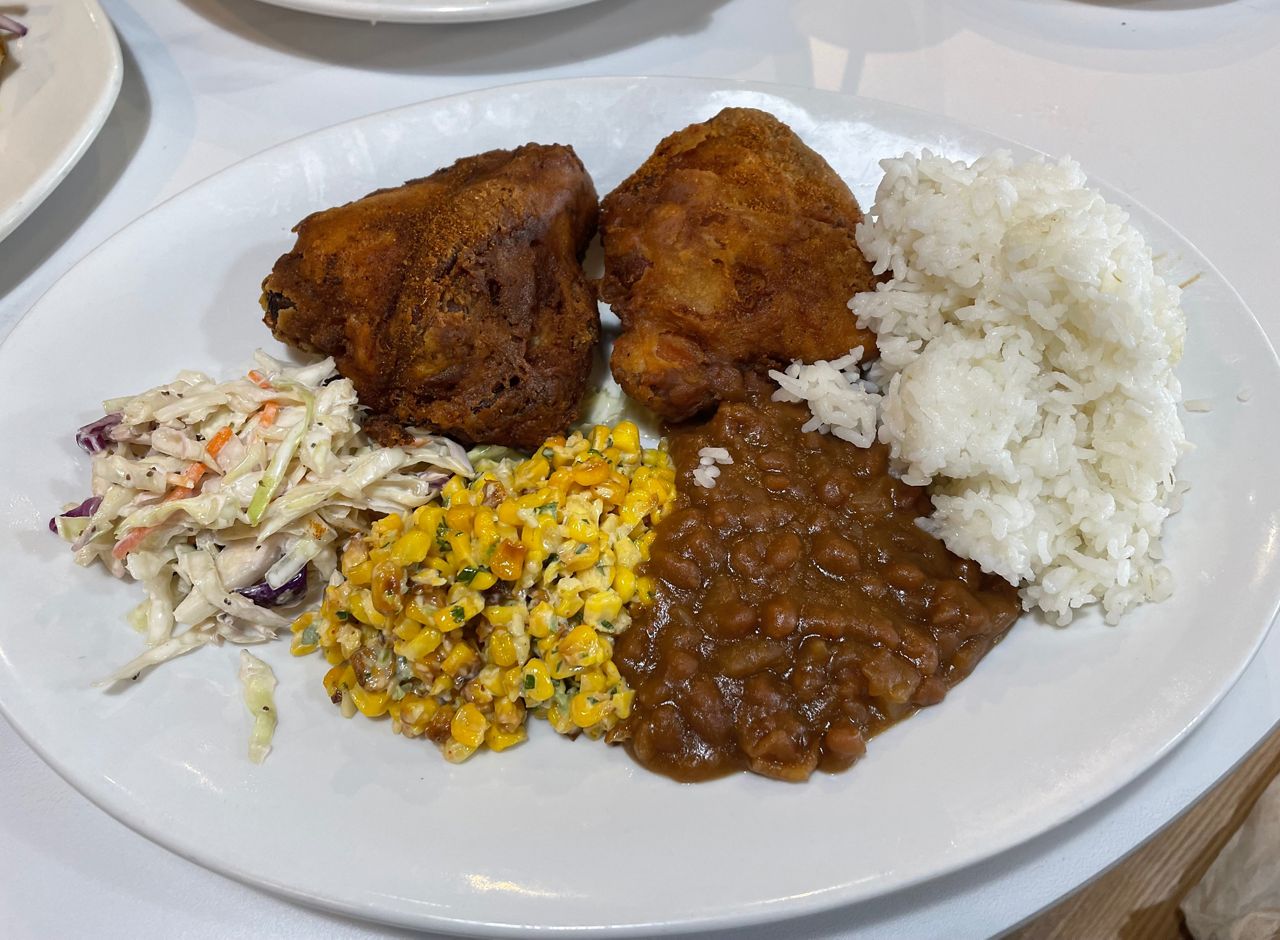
pixel 779 617
pixel 798 608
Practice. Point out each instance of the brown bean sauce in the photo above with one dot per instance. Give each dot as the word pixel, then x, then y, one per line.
pixel 797 609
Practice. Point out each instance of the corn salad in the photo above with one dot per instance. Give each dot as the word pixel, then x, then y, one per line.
pixel 502 598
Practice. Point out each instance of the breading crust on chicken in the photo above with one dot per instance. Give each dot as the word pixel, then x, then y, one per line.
pixel 455 303
pixel 731 249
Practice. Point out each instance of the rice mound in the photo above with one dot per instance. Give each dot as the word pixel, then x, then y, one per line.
pixel 1026 366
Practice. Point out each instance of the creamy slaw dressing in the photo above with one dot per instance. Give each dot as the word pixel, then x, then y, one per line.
pixel 209 489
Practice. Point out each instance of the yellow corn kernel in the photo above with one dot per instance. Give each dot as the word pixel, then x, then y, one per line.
pixel 441 685
pixel 602 606
pixel 512 681
pixel 450 618
pixel 460 517
pixel 482 580
pixel 567 604
pixel 502 649
pixel 613 490
pixel 428 518
pixel 419 610
pixel 644 589
pixel 503 615
pixel 559 719
pixel 624 584
pixel 471 601
pixel 361 574
pixel 339 678
pixel 540 688
pixel 507 562
pixel 412 548
pixel 559 482
pixel 508 715
pixel 582 530
pixel 509 512
pixel 592 681
pixel 349 638
pixel 455 752
pixel 585 711
pixel 386 528
pixel 599 438
pixel 370 704
pixel 531 472
pixel 454 489
pixel 541 619
pixel 353 552
pixel 627 552
pixel 459 659
pixel 583 557
pixel 622 703
pixel 426 642
pixel 626 437
pixel 363 610
pixel 490 679
pixel 499 740
pixel 476 693
pixel 333 656
pixel 531 538
pixel 582 646
pixel 484 526
pixel 460 547
pixel 405 628
pixel 468 726
pixel 590 472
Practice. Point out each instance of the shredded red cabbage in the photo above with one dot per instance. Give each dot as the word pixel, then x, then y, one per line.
pixel 9 25
pixel 264 595
pixel 92 438
pixel 87 508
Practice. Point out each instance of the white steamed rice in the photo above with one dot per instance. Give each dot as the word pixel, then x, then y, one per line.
pixel 1027 353
pixel 707 471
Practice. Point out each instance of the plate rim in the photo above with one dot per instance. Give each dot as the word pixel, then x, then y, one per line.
pixel 426 11
pixel 71 152
pixel 823 900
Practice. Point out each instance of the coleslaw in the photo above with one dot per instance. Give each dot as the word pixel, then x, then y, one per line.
pixel 219 498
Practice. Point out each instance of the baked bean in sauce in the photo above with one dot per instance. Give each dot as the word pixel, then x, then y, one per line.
pixel 798 609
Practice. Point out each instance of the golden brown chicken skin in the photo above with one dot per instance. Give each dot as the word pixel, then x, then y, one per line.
pixel 730 250
pixel 455 303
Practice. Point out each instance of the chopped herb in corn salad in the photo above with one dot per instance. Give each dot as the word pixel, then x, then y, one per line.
pixel 500 599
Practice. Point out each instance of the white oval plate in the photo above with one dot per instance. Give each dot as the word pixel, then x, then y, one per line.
pixel 57 86
pixel 428 11
pixel 559 834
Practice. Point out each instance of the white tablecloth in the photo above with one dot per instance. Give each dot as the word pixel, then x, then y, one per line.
pixel 1171 100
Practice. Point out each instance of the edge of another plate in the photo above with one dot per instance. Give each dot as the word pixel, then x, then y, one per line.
pixel 835 897
pixel 428 11
pixel 69 151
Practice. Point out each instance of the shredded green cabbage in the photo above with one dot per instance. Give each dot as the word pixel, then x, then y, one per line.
pixel 291 475
pixel 259 685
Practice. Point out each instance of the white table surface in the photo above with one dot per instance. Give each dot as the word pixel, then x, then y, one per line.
pixel 1171 100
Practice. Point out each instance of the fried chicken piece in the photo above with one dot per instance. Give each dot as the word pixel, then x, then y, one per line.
pixel 455 303
pixel 730 250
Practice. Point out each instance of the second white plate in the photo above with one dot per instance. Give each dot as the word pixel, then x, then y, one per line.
pixel 428 11
pixel 558 835
pixel 57 87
